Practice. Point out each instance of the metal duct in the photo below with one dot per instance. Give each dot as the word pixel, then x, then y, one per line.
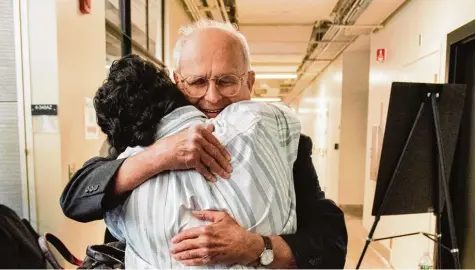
pixel 219 10
pixel 328 40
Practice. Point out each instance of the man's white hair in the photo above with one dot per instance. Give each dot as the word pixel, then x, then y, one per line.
pixel 188 30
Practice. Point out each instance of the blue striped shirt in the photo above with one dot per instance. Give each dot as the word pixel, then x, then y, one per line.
pixel 262 139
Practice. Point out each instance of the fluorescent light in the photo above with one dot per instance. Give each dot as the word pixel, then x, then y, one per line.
pixel 266 99
pixel 314 100
pixel 276 76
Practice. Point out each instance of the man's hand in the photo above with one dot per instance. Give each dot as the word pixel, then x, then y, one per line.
pixel 222 242
pixel 193 148
pixel 196 148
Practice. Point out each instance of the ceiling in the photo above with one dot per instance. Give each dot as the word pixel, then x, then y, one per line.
pixel 283 11
pixel 279 32
pixel 286 37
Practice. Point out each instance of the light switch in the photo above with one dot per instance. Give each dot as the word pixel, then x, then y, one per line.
pixel 71 170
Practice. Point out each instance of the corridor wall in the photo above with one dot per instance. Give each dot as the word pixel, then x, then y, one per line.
pixel 415 43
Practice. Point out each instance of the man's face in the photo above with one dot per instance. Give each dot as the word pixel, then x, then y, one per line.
pixel 210 54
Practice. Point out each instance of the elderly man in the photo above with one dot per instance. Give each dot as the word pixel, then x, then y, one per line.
pixel 206 53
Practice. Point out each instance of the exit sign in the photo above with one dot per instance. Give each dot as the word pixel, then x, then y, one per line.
pixel 381 55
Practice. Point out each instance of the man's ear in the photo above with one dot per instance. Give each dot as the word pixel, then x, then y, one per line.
pixel 251 80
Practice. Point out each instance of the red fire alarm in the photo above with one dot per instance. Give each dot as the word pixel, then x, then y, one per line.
pixel 85 6
pixel 381 55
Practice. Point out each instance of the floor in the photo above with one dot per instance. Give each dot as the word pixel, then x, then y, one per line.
pixel 357 235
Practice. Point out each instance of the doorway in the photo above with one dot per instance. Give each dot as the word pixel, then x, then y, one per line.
pixel 460 70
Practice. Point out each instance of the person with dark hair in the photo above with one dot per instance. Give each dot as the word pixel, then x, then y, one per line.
pixel 208 57
pixel 132 101
pixel 139 104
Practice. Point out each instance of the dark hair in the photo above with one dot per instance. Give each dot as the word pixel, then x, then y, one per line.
pixel 131 102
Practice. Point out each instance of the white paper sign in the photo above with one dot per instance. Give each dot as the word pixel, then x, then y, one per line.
pixel 90 127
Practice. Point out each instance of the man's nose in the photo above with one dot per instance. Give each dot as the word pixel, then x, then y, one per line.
pixel 213 95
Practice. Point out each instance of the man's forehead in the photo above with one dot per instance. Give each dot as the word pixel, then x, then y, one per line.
pixel 211 47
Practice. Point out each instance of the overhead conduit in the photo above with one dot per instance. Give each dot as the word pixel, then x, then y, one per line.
pixel 211 9
pixel 328 40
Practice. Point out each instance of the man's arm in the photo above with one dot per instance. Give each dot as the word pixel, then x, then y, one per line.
pixel 321 237
pixel 82 198
pixel 103 183
pixel 320 240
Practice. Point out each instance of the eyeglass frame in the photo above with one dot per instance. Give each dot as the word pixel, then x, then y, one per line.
pixel 208 82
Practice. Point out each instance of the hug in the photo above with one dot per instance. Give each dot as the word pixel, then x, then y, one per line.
pixel 199 175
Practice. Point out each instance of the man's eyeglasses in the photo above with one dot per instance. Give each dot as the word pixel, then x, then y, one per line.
pixel 196 86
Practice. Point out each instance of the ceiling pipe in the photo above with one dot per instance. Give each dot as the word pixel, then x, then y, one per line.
pixel 193 9
pixel 303 68
pixel 213 9
pixel 352 11
pixel 197 10
pixel 319 73
pixel 223 11
pixel 190 11
pixel 356 4
pixel 341 23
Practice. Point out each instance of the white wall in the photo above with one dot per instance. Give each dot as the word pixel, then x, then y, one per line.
pixel 46 152
pixel 320 114
pixel 81 70
pixel 67 59
pixel 355 90
pixel 175 17
pixel 408 60
pixel 333 110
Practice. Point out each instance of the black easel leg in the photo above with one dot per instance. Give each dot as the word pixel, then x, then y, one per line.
pixel 392 180
pixel 367 242
pixel 438 233
pixel 444 183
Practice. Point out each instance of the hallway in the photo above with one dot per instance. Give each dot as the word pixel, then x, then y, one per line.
pixel 333 62
pixel 357 235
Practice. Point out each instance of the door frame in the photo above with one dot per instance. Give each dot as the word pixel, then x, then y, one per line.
pixel 458 35
pixel 25 126
pixel 454 38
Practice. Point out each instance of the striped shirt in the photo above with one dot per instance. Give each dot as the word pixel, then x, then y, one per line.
pixel 262 140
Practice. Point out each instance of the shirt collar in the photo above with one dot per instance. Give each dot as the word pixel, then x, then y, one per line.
pixel 178 119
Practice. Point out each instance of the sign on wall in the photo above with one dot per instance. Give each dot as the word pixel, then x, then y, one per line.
pixel 44 109
pixel 381 55
pixel 85 6
pixel 91 130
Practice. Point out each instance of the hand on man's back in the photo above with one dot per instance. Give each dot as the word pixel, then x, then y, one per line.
pixel 196 148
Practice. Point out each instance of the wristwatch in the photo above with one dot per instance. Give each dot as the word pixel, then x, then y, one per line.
pixel 267 256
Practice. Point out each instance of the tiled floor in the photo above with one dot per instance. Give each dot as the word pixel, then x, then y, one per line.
pixel 357 235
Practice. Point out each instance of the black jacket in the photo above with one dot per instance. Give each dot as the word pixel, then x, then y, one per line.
pixel 321 237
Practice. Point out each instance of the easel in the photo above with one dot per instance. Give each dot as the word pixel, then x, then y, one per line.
pixel 432 99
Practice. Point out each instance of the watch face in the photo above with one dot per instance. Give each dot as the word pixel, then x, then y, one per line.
pixel 267 257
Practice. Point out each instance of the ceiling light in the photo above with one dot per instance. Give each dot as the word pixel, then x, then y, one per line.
pixel 266 99
pixel 276 76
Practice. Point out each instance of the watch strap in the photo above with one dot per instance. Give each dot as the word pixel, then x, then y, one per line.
pixel 267 246
pixel 267 242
